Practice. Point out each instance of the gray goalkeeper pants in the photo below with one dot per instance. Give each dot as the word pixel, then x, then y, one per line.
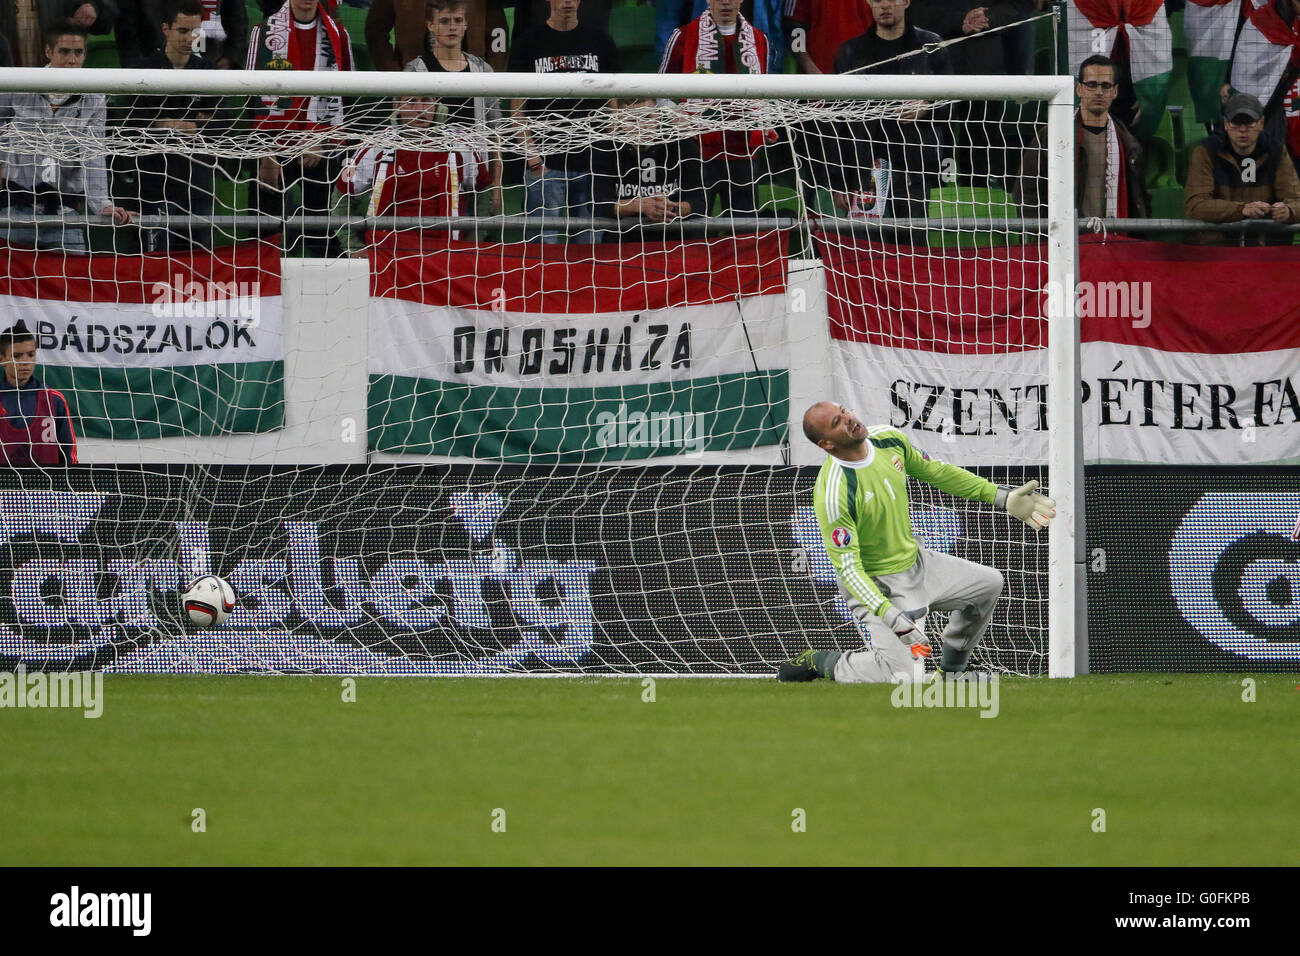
pixel 936 582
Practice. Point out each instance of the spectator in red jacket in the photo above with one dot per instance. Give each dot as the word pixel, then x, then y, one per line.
pixel 720 40
pixel 818 28
pixel 301 35
pixel 35 424
pixel 416 182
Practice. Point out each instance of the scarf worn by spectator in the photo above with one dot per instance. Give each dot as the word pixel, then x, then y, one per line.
pixel 707 41
pixel 702 44
pixel 211 27
pixel 272 48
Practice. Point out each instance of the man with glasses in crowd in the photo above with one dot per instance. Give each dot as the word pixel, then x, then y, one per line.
pixel 1109 166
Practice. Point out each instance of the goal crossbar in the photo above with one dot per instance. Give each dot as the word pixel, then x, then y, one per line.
pixel 521 85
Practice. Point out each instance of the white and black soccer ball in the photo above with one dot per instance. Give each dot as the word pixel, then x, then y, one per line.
pixel 209 601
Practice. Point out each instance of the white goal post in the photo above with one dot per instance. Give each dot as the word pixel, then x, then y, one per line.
pixel 790 95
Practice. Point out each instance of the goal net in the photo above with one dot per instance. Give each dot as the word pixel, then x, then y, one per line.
pixel 492 373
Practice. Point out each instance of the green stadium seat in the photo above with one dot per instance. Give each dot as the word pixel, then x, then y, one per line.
pixel 1161 157
pixel 633 30
pixel 972 202
pixel 512 204
pixel 1167 202
pixel 632 27
pixel 101 53
pixel 1176 30
pixel 776 200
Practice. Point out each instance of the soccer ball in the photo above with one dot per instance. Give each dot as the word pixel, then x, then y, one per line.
pixel 209 601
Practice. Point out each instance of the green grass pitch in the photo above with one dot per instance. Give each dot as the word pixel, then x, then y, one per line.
pixel 711 772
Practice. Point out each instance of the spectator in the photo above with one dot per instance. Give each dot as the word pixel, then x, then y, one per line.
pixel 301 35
pixel 560 181
pixel 989 129
pixel 24 23
pixel 765 15
pixel 35 424
pixel 886 168
pixel 443 54
pixel 1266 57
pixel 269 7
pixel 412 182
pixel 222 37
pixel 594 14
pixel 73 180
pixel 968 18
pixel 720 40
pixel 1236 173
pixel 406 22
pixel 646 187
pixel 177 182
pixel 818 28
pixel 1109 166
pixel 1018 43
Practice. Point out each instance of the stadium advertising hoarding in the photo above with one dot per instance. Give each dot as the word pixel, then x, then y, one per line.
pixel 1179 366
pixel 1203 576
pixel 446 570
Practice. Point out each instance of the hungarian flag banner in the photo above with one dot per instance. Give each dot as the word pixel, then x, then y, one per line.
pixel 1209 26
pixel 1265 44
pixel 1178 368
pixel 553 354
pixel 155 346
pixel 1137 29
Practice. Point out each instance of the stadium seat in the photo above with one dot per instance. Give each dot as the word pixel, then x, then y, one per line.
pixel 101 53
pixel 776 200
pixel 1167 202
pixel 512 204
pixel 633 30
pixel 1161 157
pixel 1176 31
pixel 972 202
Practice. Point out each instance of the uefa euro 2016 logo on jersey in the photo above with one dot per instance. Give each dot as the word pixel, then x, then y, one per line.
pixel 840 537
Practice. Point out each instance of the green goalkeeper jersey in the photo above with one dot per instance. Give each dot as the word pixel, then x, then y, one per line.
pixel 862 509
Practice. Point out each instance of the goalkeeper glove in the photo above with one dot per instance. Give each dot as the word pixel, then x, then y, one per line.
pixel 908 631
pixel 1025 503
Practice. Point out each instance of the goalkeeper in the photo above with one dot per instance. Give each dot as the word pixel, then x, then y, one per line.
pixel 888 579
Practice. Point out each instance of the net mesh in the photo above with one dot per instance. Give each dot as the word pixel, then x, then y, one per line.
pixel 408 452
